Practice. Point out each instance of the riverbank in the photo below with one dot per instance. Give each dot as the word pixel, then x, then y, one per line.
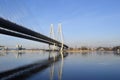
pixel 68 51
pixel 75 51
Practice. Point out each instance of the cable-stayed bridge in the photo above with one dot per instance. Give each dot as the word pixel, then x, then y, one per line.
pixel 15 21
pixel 12 29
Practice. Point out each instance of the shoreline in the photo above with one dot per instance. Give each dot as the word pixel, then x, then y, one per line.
pixel 71 51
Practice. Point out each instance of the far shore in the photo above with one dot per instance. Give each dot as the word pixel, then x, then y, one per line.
pixel 71 51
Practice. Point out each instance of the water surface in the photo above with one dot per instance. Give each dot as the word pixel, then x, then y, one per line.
pixel 76 66
pixel 84 66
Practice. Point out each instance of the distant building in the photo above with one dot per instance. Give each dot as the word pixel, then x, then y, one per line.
pixel 104 49
pixel 117 48
pixel 2 47
pixel 100 49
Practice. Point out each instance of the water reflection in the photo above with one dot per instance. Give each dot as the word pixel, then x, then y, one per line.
pixel 19 54
pixel 52 71
pixel 60 68
pixel 94 65
pixel 3 53
pixel 15 59
pixel 116 53
pixel 84 53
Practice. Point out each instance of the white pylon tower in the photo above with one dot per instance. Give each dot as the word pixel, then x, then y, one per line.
pixel 60 34
pixel 52 31
pixel 52 36
pixel 61 38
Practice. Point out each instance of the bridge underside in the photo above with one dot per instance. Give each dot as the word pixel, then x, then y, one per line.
pixel 12 29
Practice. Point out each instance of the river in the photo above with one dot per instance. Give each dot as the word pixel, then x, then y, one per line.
pixel 99 65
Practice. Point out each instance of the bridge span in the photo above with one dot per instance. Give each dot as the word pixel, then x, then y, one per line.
pixel 12 29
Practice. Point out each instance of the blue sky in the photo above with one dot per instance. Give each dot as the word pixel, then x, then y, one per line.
pixel 85 22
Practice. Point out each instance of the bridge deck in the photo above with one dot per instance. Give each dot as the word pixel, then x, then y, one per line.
pixel 12 29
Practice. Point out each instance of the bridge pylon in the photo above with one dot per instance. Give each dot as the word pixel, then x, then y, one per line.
pixel 60 33
pixel 59 38
pixel 52 35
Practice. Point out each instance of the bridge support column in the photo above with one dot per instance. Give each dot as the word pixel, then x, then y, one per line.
pixel 61 49
pixel 61 36
pixel 52 36
pixel 49 51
